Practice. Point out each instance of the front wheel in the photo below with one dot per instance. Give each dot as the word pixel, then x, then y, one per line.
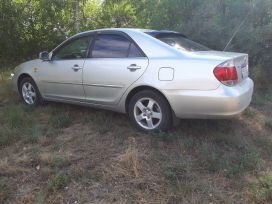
pixel 150 111
pixel 29 92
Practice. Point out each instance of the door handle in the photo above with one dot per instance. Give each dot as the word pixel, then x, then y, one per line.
pixel 76 67
pixel 133 67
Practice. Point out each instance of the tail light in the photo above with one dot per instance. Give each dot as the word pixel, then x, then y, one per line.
pixel 226 73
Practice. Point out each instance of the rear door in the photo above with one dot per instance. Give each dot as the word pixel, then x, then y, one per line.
pixel 114 63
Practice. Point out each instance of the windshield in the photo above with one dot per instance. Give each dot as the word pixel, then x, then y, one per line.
pixel 180 42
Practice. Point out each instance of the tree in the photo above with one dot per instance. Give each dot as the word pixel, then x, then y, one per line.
pixel 30 26
pixel 117 13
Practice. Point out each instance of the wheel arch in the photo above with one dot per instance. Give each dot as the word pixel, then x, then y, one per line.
pixel 142 88
pixel 21 77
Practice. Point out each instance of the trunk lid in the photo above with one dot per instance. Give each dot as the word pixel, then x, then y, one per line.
pixel 240 60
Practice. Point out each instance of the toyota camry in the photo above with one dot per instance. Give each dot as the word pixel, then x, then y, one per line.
pixel 153 76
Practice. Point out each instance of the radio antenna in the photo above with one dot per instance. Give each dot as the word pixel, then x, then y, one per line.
pixel 236 31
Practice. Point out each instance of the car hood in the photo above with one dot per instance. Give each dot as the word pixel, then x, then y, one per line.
pixel 30 62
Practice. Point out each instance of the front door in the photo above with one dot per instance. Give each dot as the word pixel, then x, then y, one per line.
pixel 114 63
pixel 61 78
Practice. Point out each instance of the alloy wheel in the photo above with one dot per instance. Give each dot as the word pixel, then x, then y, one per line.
pixel 147 113
pixel 28 93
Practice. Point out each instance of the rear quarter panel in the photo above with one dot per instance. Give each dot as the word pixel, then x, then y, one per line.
pixel 189 74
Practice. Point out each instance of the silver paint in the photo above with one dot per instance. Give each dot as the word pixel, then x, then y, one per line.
pixel 194 92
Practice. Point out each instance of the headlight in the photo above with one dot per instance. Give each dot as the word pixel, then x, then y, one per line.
pixel 11 76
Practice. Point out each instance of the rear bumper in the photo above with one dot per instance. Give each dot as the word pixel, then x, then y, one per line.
pixel 223 102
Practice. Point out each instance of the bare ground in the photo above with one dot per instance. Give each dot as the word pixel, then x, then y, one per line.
pixel 71 154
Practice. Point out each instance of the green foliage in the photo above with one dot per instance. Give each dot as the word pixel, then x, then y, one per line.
pixel 58 182
pixel 169 174
pixel 15 116
pixel 268 123
pixel 61 120
pixel 5 190
pixel 28 27
pixel 41 197
pixel 58 162
pixel 103 121
pixel 166 136
pixel 33 134
pixel 117 13
pixel 232 165
pixel 6 135
pixel 249 113
pixel 14 123
pixel 263 191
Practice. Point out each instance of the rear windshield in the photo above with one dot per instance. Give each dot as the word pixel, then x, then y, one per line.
pixel 180 42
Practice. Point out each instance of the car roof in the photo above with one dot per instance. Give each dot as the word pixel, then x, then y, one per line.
pixel 154 33
pixel 146 39
pixel 163 33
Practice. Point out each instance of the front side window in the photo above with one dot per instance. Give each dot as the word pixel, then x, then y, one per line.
pixel 114 46
pixel 75 49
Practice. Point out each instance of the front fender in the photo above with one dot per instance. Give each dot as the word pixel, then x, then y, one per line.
pixel 25 69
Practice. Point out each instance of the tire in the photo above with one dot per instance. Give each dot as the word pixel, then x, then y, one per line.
pixel 29 92
pixel 149 111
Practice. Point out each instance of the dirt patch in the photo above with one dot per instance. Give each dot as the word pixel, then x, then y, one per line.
pixel 69 154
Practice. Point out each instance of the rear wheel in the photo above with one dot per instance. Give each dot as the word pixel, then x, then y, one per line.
pixel 29 92
pixel 150 111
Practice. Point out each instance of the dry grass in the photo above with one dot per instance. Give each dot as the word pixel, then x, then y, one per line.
pixel 100 158
pixel 129 159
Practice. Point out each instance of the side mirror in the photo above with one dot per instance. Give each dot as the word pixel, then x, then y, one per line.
pixel 44 56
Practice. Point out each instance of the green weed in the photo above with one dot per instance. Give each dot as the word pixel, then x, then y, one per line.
pixel 33 135
pixel 15 116
pixel 41 197
pixel 249 113
pixel 8 135
pixel 58 181
pixel 61 120
pixel 169 173
pixel 268 123
pixel 215 159
pixel 58 161
pixel 165 136
pixel 263 190
pixel 103 121
pixel 258 99
pixel 5 190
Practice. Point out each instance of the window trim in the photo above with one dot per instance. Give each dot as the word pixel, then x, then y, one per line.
pixel 120 33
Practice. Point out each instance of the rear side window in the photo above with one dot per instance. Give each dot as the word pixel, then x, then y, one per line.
pixel 134 51
pixel 114 46
pixel 180 42
pixel 110 46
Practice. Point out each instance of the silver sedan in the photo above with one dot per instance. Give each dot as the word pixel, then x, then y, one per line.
pixel 153 76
